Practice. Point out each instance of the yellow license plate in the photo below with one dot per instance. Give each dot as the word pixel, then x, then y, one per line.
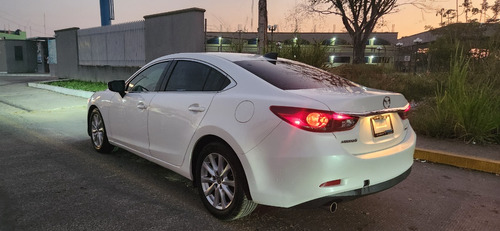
pixel 381 125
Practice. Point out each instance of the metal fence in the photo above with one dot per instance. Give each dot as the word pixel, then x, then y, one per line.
pixel 116 45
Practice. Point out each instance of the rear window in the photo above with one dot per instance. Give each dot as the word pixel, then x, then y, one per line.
pixel 290 75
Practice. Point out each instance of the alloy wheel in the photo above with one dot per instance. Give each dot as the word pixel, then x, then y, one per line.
pixel 217 181
pixel 97 130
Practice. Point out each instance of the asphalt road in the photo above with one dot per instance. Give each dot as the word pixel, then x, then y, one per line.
pixel 51 179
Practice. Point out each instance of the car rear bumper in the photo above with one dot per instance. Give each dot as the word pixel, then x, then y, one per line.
pixel 353 194
pixel 285 171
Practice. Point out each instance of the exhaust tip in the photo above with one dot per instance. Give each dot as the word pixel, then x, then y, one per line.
pixel 333 207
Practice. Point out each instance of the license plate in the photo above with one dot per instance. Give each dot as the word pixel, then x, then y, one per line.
pixel 381 125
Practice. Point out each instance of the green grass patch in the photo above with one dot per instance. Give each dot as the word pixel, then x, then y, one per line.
pixel 80 85
pixel 466 106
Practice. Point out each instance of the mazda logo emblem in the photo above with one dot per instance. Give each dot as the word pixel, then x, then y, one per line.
pixel 387 102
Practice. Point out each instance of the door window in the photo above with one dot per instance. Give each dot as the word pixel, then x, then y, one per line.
pixel 148 79
pixel 193 76
pixel 216 81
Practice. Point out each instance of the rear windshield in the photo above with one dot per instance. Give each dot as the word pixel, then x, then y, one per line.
pixel 290 75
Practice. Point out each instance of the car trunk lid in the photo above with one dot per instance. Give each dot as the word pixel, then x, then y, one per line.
pixel 379 125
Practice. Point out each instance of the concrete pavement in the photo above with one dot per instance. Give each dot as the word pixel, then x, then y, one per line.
pixel 484 158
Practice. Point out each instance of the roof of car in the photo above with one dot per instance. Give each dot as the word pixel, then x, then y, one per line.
pixel 233 57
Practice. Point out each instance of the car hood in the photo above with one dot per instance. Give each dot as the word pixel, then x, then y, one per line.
pixel 355 99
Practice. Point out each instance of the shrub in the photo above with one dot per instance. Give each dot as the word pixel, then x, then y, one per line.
pixel 314 55
pixel 466 106
pixel 413 87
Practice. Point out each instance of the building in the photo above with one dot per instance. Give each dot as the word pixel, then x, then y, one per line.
pixel 12 35
pixel 381 47
pixel 21 55
pixel 412 52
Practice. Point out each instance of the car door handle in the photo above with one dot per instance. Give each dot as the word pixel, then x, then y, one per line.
pixel 141 106
pixel 196 108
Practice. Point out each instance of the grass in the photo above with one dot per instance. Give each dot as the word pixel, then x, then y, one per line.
pixel 80 85
pixel 466 106
pixel 413 87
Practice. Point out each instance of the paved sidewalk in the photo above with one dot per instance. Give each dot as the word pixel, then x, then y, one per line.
pixel 484 158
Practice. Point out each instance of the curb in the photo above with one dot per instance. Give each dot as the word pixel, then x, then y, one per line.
pixel 62 90
pixel 468 162
pixel 25 74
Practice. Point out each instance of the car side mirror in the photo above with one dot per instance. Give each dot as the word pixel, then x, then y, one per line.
pixel 117 86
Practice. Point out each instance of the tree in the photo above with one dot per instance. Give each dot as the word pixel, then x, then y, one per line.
pixel 359 18
pixel 262 29
pixel 496 10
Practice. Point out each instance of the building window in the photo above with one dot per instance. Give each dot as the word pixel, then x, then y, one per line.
pixel 18 53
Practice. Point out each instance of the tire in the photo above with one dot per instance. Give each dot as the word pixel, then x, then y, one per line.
pixel 220 180
pixel 98 134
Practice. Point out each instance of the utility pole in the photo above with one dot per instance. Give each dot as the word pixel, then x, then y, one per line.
pixel 262 30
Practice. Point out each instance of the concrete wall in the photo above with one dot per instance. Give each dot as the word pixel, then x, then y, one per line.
pixel 3 57
pixel 67 53
pixel 115 52
pixel 28 56
pixel 105 73
pixel 117 45
pixel 173 32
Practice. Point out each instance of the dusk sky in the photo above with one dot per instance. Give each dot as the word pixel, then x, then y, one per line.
pixel 42 17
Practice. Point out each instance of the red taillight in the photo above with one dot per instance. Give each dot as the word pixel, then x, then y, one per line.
pixel 330 183
pixel 404 114
pixel 315 120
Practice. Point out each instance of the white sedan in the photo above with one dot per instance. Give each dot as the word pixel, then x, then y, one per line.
pixel 250 129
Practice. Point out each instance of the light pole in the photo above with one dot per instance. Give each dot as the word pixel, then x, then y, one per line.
pixel 272 28
pixel 379 48
pixel 397 59
pixel 417 41
pixel 220 44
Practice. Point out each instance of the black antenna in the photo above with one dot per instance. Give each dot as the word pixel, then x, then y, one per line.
pixel 273 55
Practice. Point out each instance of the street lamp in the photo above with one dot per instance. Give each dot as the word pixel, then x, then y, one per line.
pixel 416 41
pixel 220 43
pixel 379 48
pixel 397 59
pixel 272 28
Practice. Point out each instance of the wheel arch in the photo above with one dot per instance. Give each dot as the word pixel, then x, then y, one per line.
pixel 89 112
pixel 202 142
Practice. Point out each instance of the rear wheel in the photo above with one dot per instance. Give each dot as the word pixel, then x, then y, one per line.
pixel 220 182
pixel 98 134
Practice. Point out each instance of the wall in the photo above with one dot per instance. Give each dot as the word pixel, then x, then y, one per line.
pixel 117 45
pixel 3 57
pixel 117 51
pixel 67 53
pixel 23 62
pixel 173 32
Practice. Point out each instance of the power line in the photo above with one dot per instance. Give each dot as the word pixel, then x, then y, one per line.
pixel 25 26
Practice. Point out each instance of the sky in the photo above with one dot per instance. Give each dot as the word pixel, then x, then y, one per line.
pixel 39 18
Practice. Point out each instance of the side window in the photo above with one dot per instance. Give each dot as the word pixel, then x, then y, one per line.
pixel 216 81
pixel 148 79
pixel 188 76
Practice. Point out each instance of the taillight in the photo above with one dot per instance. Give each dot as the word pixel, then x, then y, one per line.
pixel 315 120
pixel 404 114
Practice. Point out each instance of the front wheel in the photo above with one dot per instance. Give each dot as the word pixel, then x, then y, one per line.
pixel 98 134
pixel 220 183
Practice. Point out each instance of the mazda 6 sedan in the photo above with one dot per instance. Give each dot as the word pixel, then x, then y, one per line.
pixel 250 129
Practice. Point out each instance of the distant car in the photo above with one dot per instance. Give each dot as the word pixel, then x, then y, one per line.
pixel 251 129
